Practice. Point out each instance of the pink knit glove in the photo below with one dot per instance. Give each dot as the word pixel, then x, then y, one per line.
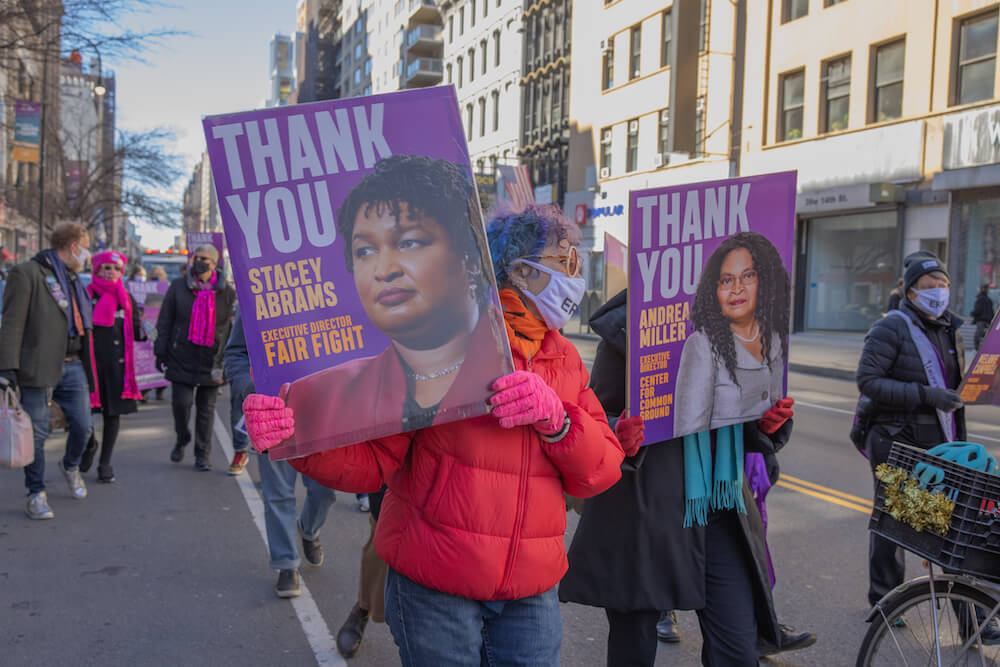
pixel 268 421
pixel 524 399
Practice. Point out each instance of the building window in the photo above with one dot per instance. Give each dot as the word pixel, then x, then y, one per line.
pixel 793 9
pixel 496 48
pixel 529 43
pixel 608 76
pixel 667 32
pixel 486 7
pixel 831 3
pixel 468 122
pixel 482 55
pixel 472 12
pixel 528 91
pixel 790 99
pixel 886 100
pixel 357 77
pixel 702 26
pixel 977 58
pixel 605 151
pixel 635 51
pixel 557 102
pixel 546 108
pixel 472 64
pixel 560 27
pixel 699 127
pixel 835 95
pixel 449 72
pixel 459 64
pixel 482 116
pixel 547 44
pixel 496 110
pixel 536 122
pixel 451 28
pixel 663 135
pixel 632 148
pixel 461 20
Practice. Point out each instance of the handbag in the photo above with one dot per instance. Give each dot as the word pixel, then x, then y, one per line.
pixel 17 442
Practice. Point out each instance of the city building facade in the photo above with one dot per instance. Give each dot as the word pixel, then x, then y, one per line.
pixel 483 45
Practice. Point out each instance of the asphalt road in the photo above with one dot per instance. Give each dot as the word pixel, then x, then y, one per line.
pixel 168 567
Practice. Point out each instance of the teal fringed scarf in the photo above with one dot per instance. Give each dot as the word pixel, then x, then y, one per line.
pixel 724 480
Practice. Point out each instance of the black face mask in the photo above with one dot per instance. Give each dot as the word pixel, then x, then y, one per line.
pixel 199 267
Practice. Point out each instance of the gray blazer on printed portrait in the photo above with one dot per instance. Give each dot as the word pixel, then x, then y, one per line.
pixel 706 396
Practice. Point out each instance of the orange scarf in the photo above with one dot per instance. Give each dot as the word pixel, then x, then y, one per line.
pixel 525 330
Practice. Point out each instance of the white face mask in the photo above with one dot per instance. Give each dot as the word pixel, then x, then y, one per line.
pixel 140 278
pixel 82 257
pixel 933 301
pixel 560 299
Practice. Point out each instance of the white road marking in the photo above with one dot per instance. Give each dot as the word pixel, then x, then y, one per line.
pixel 972 436
pixel 317 633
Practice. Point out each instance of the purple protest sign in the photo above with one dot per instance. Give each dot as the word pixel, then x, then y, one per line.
pixel 149 295
pixel 360 259
pixel 981 385
pixel 709 301
pixel 215 239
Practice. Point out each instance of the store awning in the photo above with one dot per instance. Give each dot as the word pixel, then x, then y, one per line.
pixel 968 177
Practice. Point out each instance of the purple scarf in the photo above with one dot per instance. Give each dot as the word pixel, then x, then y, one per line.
pixel 755 471
pixel 201 331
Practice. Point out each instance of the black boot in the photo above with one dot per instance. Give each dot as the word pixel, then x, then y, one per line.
pixel 105 473
pixel 177 454
pixel 666 628
pixel 88 454
pixel 352 632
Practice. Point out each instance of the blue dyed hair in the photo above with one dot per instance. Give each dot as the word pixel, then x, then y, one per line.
pixel 515 234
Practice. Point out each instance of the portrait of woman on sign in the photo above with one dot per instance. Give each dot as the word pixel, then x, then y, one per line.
pixel 732 367
pixel 413 241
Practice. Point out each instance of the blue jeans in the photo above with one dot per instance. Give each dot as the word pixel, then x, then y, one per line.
pixel 241 441
pixel 73 396
pixel 435 629
pixel 277 483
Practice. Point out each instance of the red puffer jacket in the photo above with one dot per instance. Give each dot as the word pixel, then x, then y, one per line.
pixel 476 510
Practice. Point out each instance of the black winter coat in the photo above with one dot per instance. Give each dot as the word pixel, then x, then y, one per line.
pixel 109 355
pixel 630 551
pixel 891 375
pixel 982 311
pixel 186 362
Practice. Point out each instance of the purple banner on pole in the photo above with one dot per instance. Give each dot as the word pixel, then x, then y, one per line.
pixel 981 385
pixel 709 302
pixel 359 256
pixel 149 295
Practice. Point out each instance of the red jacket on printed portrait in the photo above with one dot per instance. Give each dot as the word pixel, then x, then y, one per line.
pixel 473 509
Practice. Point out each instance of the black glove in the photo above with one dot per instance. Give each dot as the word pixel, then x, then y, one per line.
pixel 161 364
pixel 8 378
pixel 940 398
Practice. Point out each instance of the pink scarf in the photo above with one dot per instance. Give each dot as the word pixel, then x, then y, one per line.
pixel 201 331
pixel 112 295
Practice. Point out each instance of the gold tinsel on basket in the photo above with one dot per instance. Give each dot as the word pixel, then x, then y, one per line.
pixel 907 503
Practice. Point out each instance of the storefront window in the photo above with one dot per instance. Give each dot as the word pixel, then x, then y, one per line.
pixel 982 254
pixel 848 282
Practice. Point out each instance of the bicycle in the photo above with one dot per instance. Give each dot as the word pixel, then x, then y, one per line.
pixel 939 618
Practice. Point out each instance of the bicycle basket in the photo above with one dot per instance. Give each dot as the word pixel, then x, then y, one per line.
pixel 972 543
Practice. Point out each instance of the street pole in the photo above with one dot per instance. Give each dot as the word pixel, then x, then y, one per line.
pixel 41 150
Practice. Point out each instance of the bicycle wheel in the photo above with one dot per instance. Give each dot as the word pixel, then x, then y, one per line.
pixel 912 643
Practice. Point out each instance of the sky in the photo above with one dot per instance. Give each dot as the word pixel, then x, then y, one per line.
pixel 220 66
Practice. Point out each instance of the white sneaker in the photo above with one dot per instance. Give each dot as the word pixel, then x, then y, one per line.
pixel 75 481
pixel 38 507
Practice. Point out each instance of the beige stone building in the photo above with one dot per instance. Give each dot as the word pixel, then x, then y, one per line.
pixel 888 109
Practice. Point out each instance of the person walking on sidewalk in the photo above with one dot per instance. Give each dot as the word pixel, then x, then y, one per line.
pixel 910 367
pixel 277 485
pixel 635 552
pixel 982 314
pixel 192 328
pixel 474 518
pixel 45 349
pixel 117 324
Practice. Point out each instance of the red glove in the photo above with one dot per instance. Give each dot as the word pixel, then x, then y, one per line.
pixel 523 398
pixel 268 421
pixel 776 415
pixel 630 433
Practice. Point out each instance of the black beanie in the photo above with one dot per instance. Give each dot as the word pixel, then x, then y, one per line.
pixel 919 264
